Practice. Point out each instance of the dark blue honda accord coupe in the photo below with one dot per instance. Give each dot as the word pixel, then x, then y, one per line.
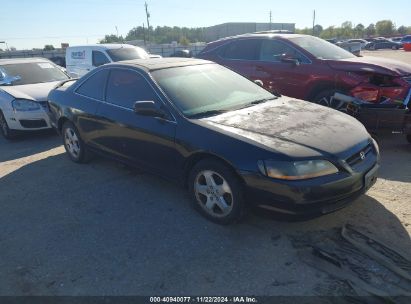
pixel 229 141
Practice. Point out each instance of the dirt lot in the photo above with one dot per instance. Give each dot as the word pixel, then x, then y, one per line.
pixel 104 229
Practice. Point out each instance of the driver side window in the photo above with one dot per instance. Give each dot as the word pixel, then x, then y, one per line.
pixel 99 58
pixel 273 51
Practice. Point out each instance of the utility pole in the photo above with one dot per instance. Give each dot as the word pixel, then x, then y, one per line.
pixel 144 34
pixel 271 15
pixel 148 22
pixel 117 31
pixel 313 22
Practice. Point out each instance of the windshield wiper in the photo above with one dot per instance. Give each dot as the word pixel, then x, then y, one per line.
pixel 258 101
pixel 208 113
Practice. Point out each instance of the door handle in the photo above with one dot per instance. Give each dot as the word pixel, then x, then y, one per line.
pixel 259 68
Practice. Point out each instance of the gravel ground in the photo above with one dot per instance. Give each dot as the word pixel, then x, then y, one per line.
pixel 105 229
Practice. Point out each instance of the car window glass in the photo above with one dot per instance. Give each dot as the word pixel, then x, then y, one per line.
pixel 272 50
pixel 242 49
pixel 94 86
pixel 125 87
pixel 99 58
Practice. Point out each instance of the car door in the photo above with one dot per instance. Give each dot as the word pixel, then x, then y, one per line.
pixel 240 56
pixel 145 141
pixel 277 68
pixel 88 95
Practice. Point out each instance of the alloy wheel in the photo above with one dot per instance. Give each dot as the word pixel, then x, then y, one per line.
pixel 72 142
pixel 213 193
pixel 331 102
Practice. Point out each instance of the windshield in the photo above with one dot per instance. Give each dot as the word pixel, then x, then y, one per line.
pixel 127 54
pixel 32 72
pixel 208 89
pixel 321 49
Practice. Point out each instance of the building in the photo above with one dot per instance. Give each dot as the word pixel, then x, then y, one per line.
pixel 237 28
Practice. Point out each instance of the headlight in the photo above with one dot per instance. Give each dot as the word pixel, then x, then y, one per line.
pixel 296 170
pixel 377 148
pixel 25 105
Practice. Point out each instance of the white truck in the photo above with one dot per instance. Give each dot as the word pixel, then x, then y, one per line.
pixel 82 59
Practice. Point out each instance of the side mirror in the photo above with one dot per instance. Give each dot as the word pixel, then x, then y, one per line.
pixel 148 108
pixel 287 59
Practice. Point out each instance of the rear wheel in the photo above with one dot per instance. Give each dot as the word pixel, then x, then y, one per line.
pixel 74 145
pixel 326 98
pixel 5 130
pixel 217 192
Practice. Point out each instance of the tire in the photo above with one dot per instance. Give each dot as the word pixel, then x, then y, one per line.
pixel 74 145
pixel 4 128
pixel 217 192
pixel 409 138
pixel 325 98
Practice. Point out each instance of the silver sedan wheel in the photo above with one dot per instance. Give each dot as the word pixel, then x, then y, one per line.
pixel 72 142
pixel 213 193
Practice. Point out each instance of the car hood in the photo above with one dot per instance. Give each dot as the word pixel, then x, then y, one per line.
pixel 372 64
pixel 295 128
pixel 36 92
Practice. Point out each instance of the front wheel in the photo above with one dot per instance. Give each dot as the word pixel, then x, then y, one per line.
pixel 217 192
pixel 326 98
pixel 74 145
pixel 5 130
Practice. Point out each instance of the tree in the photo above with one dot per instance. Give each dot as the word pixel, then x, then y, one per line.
pixel 370 30
pixel 385 28
pixel 184 41
pixel 329 33
pixel 48 47
pixel 318 30
pixel 112 39
pixel 359 30
pixel 402 30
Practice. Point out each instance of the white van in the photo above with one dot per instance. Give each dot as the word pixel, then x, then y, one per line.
pixel 82 59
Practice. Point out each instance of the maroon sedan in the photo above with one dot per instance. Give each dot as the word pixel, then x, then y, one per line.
pixel 310 68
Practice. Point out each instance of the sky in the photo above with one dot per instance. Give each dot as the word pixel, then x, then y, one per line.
pixel 27 24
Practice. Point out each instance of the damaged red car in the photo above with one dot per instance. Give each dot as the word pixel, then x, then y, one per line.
pixel 311 68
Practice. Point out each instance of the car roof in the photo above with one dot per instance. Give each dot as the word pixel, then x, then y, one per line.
pixel 23 60
pixel 107 46
pixel 161 63
pixel 262 35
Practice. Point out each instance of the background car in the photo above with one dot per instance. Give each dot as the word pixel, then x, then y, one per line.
pixel 383 43
pixel 182 54
pixel 84 58
pixel 362 43
pixel 194 122
pixel 24 86
pixel 310 68
pixel 406 39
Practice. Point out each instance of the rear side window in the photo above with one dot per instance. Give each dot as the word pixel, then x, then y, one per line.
pixel 125 87
pixel 242 50
pixel 94 86
pixel 99 58
pixel 273 50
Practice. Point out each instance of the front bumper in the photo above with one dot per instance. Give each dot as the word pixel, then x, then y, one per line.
pixel 316 196
pixel 27 121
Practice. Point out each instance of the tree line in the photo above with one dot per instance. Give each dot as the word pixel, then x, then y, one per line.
pixel 348 30
pixel 185 35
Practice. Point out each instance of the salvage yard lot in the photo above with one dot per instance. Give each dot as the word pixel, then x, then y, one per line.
pixel 105 229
